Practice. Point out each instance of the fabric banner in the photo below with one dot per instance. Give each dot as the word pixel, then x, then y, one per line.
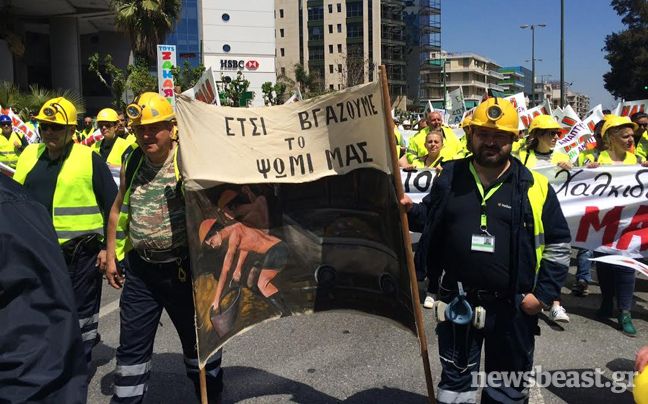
pixel 166 60
pixel 574 141
pixel 328 135
pixel 606 208
pixel 542 109
pixel 519 102
pixel 20 126
pixel 6 170
pixel 641 268
pixel 325 236
pixel 205 89
pixel 457 106
pixel 628 108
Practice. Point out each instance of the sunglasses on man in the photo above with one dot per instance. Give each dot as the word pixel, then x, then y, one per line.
pixel 54 127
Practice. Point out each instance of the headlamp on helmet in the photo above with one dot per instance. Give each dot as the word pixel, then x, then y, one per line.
pixel 133 111
pixel 494 112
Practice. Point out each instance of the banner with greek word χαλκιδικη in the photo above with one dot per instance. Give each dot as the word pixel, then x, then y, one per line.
pixel 300 142
pixel 606 208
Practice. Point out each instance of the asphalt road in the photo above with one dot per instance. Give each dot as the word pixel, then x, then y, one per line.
pixel 352 358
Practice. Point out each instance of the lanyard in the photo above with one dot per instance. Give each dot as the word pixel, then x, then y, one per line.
pixel 482 222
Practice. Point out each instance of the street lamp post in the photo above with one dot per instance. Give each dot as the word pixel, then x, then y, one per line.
pixel 533 28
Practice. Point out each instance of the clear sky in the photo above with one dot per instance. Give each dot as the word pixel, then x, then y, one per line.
pixel 492 29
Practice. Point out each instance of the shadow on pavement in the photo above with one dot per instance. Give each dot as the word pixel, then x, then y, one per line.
pixel 603 389
pixel 242 383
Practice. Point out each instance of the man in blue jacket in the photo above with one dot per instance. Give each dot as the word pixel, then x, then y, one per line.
pixel 494 230
pixel 41 354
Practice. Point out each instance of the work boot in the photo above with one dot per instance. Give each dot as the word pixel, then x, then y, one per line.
pixel 580 288
pixel 625 324
pixel 278 303
pixel 606 310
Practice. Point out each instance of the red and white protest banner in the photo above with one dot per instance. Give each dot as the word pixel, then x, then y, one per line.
pixel 606 208
pixel 628 108
pixel 20 126
pixel 519 102
pixel 542 109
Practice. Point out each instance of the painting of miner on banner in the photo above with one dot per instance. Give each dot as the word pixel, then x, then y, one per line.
pixel 291 209
pixel 274 250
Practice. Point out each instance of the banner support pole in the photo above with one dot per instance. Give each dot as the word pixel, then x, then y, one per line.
pixel 202 375
pixel 416 304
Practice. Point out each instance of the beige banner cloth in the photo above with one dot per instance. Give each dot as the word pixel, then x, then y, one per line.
pixel 328 135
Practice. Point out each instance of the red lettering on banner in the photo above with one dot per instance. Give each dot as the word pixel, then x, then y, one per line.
pixel 637 227
pixel 591 218
pixel 568 121
pixel 591 125
pixel 526 120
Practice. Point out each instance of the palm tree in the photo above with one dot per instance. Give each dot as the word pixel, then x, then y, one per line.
pixel 147 22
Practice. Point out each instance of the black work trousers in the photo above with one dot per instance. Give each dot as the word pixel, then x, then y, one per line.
pixel 148 289
pixel 508 339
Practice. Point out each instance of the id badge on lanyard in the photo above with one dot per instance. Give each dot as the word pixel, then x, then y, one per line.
pixel 483 242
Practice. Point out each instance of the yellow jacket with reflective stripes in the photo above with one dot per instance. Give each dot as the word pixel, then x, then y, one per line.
pixel 115 155
pixel 8 151
pixel 75 211
pixel 130 167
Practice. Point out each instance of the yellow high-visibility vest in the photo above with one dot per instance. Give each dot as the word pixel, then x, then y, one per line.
pixel 75 211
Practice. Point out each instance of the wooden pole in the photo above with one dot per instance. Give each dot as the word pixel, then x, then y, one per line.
pixel 202 374
pixel 407 241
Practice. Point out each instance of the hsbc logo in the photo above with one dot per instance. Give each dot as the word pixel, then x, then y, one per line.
pixel 234 64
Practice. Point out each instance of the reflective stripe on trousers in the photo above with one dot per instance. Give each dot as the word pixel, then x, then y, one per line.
pixel 86 283
pixel 148 289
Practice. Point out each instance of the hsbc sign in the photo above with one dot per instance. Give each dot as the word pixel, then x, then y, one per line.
pixel 239 64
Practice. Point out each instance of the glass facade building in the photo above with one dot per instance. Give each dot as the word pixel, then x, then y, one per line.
pixel 185 35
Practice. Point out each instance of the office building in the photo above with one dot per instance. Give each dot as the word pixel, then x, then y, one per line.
pixel 342 42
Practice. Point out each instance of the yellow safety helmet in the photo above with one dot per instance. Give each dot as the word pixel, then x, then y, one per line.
pixel 614 121
pixel 465 122
pixel 149 108
pixel 107 115
pixel 544 122
pixel 58 110
pixel 496 113
pixel 640 389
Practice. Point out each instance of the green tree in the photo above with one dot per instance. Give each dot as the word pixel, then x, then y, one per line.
pixel 187 76
pixel 140 78
pixel 627 52
pixel 23 103
pixel 273 94
pixel 146 22
pixel 235 90
pixel 111 76
pixel 306 82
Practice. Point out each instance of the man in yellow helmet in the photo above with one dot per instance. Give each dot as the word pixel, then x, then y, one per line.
pixel 75 186
pixel 495 245
pixel 147 228
pixel 111 148
pixel 11 143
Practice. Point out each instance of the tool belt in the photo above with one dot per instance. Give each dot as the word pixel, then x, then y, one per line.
pixel 151 256
pixel 90 243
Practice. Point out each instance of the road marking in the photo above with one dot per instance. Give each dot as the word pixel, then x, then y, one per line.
pixel 109 308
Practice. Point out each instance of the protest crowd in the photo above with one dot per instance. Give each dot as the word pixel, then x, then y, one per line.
pixel 113 189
